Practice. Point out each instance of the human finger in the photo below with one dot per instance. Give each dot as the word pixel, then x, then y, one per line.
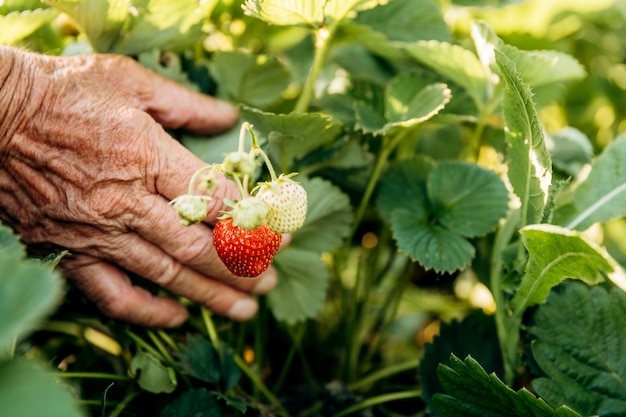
pixel 114 294
pixel 150 262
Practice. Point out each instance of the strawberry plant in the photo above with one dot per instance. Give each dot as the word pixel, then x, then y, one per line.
pixel 457 219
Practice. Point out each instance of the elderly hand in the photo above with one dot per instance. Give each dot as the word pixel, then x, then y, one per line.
pixel 86 166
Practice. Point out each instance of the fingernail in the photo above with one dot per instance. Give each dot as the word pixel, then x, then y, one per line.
pixel 243 309
pixel 176 321
pixel 266 283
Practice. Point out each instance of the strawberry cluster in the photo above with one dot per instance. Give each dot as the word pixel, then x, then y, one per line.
pixel 247 236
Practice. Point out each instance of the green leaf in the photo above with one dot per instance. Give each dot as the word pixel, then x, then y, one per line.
pixel 529 163
pixel 454 62
pixel 8 6
pixel 301 289
pixel 292 135
pixel 168 65
pixel 376 42
pixel 328 219
pixel 28 292
pixel 255 80
pixel 415 107
pixel 474 393
pixel 10 245
pixel 543 67
pixel 304 12
pixel 194 402
pixel 556 253
pixel 429 244
pixel 571 150
pixel 199 359
pixel 230 372
pixel 212 149
pixel 166 25
pixel 403 186
pixel 398 20
pixel 101 21
pixel 475 336
pixel 152 375
pixel 467 199
pixel 19 24
pixel 602 196
pixel 340 9
pixel 287 12
pixel 408 102
pixel 28 389
pixel 580 344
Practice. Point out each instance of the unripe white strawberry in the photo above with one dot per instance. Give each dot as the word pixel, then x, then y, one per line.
pixel 249 213
pixel 287 201
pixel 191 209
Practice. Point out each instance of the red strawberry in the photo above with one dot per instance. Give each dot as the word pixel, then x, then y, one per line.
pixel 246 253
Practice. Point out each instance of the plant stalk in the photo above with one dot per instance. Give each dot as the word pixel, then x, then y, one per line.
pixel 380 399
pixel 506 327
pixel 323 38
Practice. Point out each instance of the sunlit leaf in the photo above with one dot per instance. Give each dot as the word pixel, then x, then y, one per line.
pixel 467 199
pixel 101 21
pixel 152 375
pixel 28 389
pixel 287 12
pixel 529 162
pixel 602 196
pixel 399 20
pixel 301 289
pixel 339 9
pixel 18 25
pixel 408 102
pixel 166 25
pixel 544 67
pixel 471 392
pixel 429 244
pixel 580 344
pixel 555 254
pixel 454 62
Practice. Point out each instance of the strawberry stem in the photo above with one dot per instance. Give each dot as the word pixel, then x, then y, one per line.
pixel 245 126
pixel 194 178
pixel 268 163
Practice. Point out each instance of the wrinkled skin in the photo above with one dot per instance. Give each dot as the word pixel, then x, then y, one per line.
pixel 87 166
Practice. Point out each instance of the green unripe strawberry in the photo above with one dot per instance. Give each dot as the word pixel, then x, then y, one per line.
pixel 287 201
pixel 191 209
pixel 246 253
pixel 249 213
pixel 239 164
